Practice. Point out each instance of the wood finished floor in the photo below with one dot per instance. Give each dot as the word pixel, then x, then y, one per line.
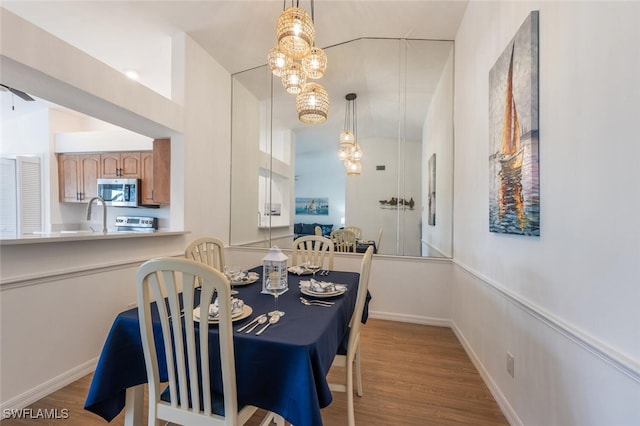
pixel 412 375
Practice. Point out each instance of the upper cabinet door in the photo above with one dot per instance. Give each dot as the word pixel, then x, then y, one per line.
pixel 124 165
pixel 78 177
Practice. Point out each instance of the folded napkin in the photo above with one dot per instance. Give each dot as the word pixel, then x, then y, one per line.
pixel 298 270
pixel 321 286
pixel 236 307
pixel 245 276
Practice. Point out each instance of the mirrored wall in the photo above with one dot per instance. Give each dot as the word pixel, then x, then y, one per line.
pixel 286 175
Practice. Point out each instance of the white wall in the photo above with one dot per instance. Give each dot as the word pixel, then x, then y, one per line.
pixel 564 304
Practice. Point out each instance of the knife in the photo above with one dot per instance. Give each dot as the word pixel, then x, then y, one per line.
pixel 251 322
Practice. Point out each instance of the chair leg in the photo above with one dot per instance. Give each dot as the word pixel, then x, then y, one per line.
pixel 350 409
pixel 358 373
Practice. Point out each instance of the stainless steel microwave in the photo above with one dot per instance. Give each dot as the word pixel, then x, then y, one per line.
pixel 120 192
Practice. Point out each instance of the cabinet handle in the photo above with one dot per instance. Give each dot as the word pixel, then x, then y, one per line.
pixel 77 196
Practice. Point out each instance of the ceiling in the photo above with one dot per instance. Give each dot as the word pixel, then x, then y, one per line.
pixel 238 34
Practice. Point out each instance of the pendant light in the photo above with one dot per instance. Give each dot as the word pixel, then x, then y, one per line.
pixel 350 152
pixel 312 104
pixel 315 63
pixel 293 78
pixel 278 61
pixel 295 59
pixel 295 32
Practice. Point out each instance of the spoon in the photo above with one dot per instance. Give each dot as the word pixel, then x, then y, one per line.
pixel 261 320
pixel 319 302
pixel 251 322
pixel 272 320
pixel 308 303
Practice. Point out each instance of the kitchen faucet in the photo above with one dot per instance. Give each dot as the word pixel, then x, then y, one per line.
pixel 104 212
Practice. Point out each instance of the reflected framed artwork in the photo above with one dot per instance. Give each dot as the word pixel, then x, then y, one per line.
pixel 432 190
pixel 312 206
pixel 514 189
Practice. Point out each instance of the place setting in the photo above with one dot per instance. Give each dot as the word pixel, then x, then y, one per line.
pixel 239 311
pixel 321 289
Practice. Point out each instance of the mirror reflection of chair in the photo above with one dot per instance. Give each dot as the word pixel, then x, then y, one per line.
pixel 188 367
pixel 344 240
pixel 350 355
pixel 318 231
pixel 378 240
pixel 207 250
pixel 357 231
pixel 316 250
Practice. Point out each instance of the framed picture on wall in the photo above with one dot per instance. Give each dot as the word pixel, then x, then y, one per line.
pixel 514 190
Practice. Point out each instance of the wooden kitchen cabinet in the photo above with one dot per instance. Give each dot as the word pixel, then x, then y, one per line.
pixel 156 174
pixel 78 177
pixel 125 165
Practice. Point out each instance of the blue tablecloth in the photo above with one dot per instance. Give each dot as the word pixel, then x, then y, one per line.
pixel 283 370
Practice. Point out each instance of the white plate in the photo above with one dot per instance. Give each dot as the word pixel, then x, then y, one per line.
pixel 244 313
pixel 323 294
pixel 250 279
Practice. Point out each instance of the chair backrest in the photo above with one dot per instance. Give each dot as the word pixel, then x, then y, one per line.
pixel 313 249
pixel 355 230
pixel 207 250
pixel 344 240
pixel 379 239
pixel 363 288
pixel 188 375
pixel 318 231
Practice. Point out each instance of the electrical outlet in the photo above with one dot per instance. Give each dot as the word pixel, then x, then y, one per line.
pixel 510 365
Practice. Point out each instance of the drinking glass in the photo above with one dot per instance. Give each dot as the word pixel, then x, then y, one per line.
pixel 313 269
pixel 233 274
pixel 276 287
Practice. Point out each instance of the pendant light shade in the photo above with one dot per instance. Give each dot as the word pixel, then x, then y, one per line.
pixel 278 61
pixel 312 104
pixel 315 63
pixel 295 32
pixel 353 167
pixel 293 78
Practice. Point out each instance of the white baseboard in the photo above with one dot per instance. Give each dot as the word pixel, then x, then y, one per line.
pixel 414 319
pixel 501 400
pixel 56 383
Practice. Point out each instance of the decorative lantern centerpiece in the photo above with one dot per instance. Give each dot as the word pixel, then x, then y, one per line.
pixel 274 271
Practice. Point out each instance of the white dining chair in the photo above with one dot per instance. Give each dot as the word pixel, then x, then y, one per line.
pixel 347 358
pixel 314 249
pixel 188 399
pixel 207 250
pixel 344 240
pixel 318 231
pixel 356 230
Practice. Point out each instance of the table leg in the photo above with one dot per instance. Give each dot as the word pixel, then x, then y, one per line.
pixel 134 406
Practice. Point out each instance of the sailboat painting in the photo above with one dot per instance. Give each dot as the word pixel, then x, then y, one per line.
pixel 514 187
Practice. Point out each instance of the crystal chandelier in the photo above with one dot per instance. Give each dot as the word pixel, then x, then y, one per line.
pixel 350 152
pixel 295 59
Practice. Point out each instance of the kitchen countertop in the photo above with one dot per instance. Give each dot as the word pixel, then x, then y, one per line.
pixel 66 236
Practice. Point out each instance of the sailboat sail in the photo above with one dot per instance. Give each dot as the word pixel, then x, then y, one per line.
pixel 511 125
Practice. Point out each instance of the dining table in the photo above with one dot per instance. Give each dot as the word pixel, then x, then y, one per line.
pixel 282 370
